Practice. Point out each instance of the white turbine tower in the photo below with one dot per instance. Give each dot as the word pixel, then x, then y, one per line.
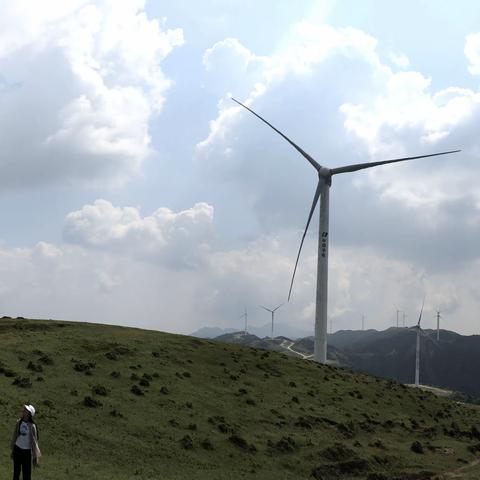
pixel 273 314
pixel 245 315
pixel 322 193
pixel 438 325
pixel 398 312
pixel 419 330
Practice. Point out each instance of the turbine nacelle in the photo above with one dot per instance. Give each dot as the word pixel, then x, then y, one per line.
pixel 325 173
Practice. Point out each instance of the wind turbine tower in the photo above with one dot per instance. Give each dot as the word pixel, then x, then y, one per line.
pixel 322 194
pixel 245 315
pixel 438 325
pixel 417 349
pixel 273 315
pixel 398 314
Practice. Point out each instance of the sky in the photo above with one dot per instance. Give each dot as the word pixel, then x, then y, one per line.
pixel 133 191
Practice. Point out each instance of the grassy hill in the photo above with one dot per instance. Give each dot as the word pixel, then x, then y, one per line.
pixel 124 403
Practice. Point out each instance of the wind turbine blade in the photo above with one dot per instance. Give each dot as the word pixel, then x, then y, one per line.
pixel 294 145
pixel 276 308
pixel 421 311
pixel 361 166
pixel 265 308
pixel 312 209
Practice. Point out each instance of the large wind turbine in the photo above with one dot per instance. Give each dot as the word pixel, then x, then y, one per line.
pixel 322 192
pixel 272 312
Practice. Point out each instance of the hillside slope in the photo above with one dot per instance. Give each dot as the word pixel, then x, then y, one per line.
pixel 126 403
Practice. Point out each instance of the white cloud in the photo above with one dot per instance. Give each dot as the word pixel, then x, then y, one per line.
pixel 177 239
pixel 399 60
pixel 24 22
pixel 472 52
pixel 90 284
pixel 97 83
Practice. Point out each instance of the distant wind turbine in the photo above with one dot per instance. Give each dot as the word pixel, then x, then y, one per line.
pixel 273 314
pixel 419 330
pixel 438 325
pixel 322 193
pixel 245 315
pixel 399 311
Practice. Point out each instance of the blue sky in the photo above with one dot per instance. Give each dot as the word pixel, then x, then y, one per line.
pixel 133 191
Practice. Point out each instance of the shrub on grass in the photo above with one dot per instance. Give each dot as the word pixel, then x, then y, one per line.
pixel 136 390
pixel 100 390
pixel 91 402
pixel 206 444
pixel 83 367
pixel 242 444
pixel 186 442
pixel 417 447
pixel 34 367
pixel 337 452
pixel 46 360
pixel 286 445
pixel 22 382
pixel 115 413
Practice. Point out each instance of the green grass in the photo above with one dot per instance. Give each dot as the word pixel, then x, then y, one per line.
pixel 215 411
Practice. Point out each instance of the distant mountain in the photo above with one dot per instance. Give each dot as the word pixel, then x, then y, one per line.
pixel 211 332
pixel 347 338
pixel 452 363
pixel 247 339
pixel 281 329
pixel 299 348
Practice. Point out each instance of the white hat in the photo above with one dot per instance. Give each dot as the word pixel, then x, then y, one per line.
pixel 31 409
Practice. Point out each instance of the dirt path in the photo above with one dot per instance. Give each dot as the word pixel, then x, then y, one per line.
pixel 287 345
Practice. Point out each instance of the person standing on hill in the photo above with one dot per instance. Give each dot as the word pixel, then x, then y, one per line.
pixel 24 445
